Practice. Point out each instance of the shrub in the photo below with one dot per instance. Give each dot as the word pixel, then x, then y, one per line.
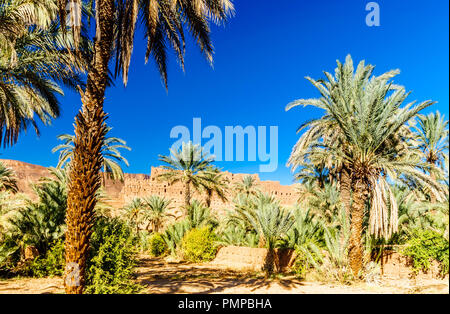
pixel 112 260
pixel 157 245
pixel 52 264
pixel 424 247
pixel 198 245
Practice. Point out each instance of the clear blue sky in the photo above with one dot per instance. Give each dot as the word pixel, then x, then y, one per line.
pixel 262 56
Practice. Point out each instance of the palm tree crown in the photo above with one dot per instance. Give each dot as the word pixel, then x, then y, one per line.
pixel 188 165
pixel 215 183
pixel 110 151
pixel 432 135
pixel 163 23
pixel 35 59
pixel 8 181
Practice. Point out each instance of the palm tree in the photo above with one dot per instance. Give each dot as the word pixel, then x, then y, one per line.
pixel 215 183
pixel 432 136
pixel 134 211
pixel 188 165
pixel 247 186
pixel 35 59
pixel 367 109
pixel 8 181
pixel 163 24
pixel 156 211
pixel 110 152
pixel 271 222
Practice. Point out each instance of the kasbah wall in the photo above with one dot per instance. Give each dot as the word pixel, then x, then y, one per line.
pixel 141 185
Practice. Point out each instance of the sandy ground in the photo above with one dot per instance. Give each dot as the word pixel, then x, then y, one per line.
pixel 158 276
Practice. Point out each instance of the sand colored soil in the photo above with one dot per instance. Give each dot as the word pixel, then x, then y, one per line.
pixel 159 276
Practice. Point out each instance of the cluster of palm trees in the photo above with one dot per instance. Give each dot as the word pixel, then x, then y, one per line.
pixel 148 213
pixel 365 143
pixel 42 45
pixel 369 142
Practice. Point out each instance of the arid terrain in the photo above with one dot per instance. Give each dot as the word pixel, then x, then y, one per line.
pixel 159 276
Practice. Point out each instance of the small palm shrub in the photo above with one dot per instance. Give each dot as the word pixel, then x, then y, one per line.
pixel 238 236
pixel 199 216
pixel 174 235
pixel 198 245
pixel 426 246
pixel 272 222
pixel 38 224
pixel 157 245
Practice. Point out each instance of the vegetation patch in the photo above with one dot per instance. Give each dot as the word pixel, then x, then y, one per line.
pixel 157 245
pixel 426 246
pixel 198 245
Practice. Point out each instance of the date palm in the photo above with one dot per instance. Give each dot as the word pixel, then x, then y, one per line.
pixel 432 136
pixel 164 24
pixel 155 212
pixel 35 60
pixel 110 152
pixel 271 222
pixel 190 166
pixel 369 113
pixel 134 212
pixel 247 186
pixel 215 183
pixel 8 180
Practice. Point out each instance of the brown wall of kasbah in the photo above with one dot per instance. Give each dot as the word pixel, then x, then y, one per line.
pixel 141 185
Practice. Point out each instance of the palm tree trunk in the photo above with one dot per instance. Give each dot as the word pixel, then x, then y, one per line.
pixel 433 198
pixel 187 195
pixel 84 178
pixel 345 189
pixel 360 195
pixel 345 186
pixel 269 261
pixel 208 198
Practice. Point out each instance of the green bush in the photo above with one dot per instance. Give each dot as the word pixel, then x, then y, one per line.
pixel 157 245
pixel 112 259
pixel 52 264
pixel 198 245
pixel 424 247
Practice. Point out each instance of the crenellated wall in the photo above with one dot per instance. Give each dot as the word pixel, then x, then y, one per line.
pixel 141 185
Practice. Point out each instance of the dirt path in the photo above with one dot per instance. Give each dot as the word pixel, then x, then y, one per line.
pixel 161 277
pixel 158 276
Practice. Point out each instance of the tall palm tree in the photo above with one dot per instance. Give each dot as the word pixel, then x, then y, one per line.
pixel 110 152
pixel 432 136
pixel 368 111
pixel 164 26
pixel 35 59
pixel 190 166
pixel 8 180
pixel 215 183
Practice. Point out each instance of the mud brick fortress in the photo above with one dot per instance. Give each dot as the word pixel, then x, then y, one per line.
pixel 141 185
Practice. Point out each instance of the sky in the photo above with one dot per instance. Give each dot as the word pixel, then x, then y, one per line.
pixel 262 56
